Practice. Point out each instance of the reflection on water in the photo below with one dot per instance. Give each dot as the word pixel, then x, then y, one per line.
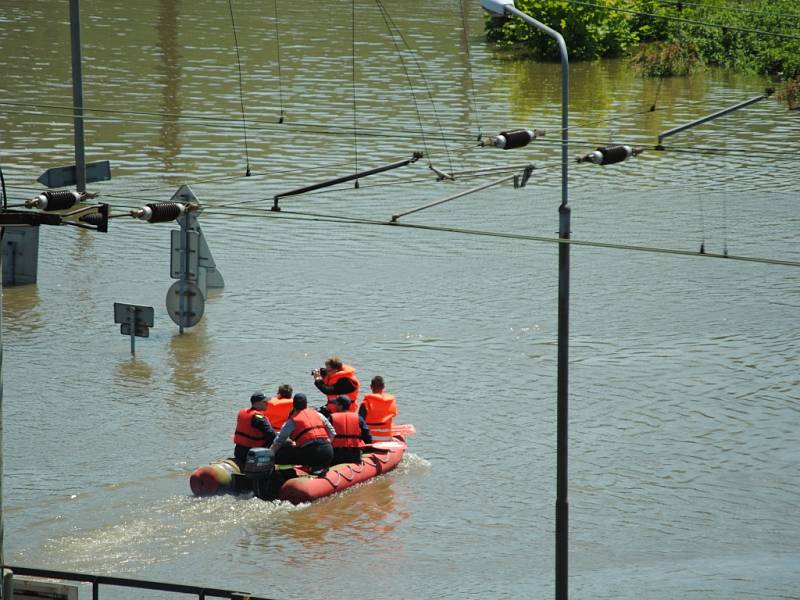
pixel 21 309
pixel 133 370
pixel 188 362
pixel 362 515
pixel 170 95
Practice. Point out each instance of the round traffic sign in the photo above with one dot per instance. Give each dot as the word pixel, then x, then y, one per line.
pixel 185 303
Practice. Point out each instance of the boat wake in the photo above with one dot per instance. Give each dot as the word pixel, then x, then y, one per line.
pixel 140 536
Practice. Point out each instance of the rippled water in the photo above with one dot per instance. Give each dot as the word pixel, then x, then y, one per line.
pixel 684 404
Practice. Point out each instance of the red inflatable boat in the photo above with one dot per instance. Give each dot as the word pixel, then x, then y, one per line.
pixel 294 484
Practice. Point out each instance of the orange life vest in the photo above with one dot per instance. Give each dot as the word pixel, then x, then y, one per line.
pixel 348 430
pixel 308 426
pixel 346 372
pixel 381 410
pixel 278 410
pixel 246 434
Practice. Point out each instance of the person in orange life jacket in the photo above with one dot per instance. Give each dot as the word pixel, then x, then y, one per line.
pixel 351 433
pixel 336 379
pixel 252 428
pixel 309 435
pixel 279 407
pixel 378 409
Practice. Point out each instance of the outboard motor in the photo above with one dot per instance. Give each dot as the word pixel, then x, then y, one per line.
pixel 258 467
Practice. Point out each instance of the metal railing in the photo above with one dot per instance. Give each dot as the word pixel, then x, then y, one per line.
pixel 98 580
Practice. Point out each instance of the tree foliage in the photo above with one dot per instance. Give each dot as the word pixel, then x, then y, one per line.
pixel 730 35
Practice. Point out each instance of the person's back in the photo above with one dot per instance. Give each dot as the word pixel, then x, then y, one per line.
pixel 379 409
pixel 279 407
pixel 352 433
pixel 311 433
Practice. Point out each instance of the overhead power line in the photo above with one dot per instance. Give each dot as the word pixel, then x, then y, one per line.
pixel 320 217
pixel 678 4
pixel 788 36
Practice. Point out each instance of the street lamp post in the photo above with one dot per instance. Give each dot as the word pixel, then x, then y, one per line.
pixel 502 8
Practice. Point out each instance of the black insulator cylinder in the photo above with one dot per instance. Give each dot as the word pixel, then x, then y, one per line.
pixel 516 138
pixel 614 154
pixel 58 200
pixel 164 211
pixel 92 219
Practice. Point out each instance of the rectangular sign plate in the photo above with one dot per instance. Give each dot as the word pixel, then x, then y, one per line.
pixel 143 315
pixel 65 176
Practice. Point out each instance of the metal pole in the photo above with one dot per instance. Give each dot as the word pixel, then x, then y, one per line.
pixel 132 323
pixel 77 93
pixel 184 223
pixel 711 117
pixel 453 197
pixel 2 555
pixel 562 410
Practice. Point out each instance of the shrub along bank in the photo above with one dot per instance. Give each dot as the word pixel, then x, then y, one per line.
pixel 666 37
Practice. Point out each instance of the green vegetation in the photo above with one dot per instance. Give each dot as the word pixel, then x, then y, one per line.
pixel 790 93
pixel 666 37
pixel 665 59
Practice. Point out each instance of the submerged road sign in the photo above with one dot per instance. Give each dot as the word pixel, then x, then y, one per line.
pixel 185 303
pixel 66 177
pixel 134 321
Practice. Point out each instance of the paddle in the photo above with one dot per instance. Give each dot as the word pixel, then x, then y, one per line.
pixel 384 446
pixel 404 429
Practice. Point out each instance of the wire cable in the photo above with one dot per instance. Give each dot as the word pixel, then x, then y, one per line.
pixel 324 218
pixel 679 4
pixel 388 18
pixel 470 79
pixel 355 117
pixel 689 21
pixel 278 46
pixel 241 90
pixel 408 79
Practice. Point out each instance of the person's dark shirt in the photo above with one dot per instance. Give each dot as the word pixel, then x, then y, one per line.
pixel 341 388
pixel 366 436
pixel 260 422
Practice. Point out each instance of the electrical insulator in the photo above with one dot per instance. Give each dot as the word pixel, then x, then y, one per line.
pixel 92 219
pixel 610 155
pixel 516 138
pixel 54 200
pixel 160 212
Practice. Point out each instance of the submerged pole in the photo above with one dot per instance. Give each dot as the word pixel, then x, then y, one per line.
pixel 2 554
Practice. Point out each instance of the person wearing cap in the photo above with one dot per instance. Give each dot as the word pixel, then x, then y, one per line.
pixel 336 379
pixel 352 433
pixel 279 407
pixel 305 438
pixel 252 428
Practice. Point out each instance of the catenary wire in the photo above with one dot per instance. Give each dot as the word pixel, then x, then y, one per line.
pixel 685 20
pixel 241 88
pixel 320 217
pixel 678 4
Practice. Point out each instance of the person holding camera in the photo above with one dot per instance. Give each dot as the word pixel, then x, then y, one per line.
pixel 305 438
pixel 336 379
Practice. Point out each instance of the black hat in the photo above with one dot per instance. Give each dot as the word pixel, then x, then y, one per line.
pixel 343 401
pixel 257 397
pixel 299 402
